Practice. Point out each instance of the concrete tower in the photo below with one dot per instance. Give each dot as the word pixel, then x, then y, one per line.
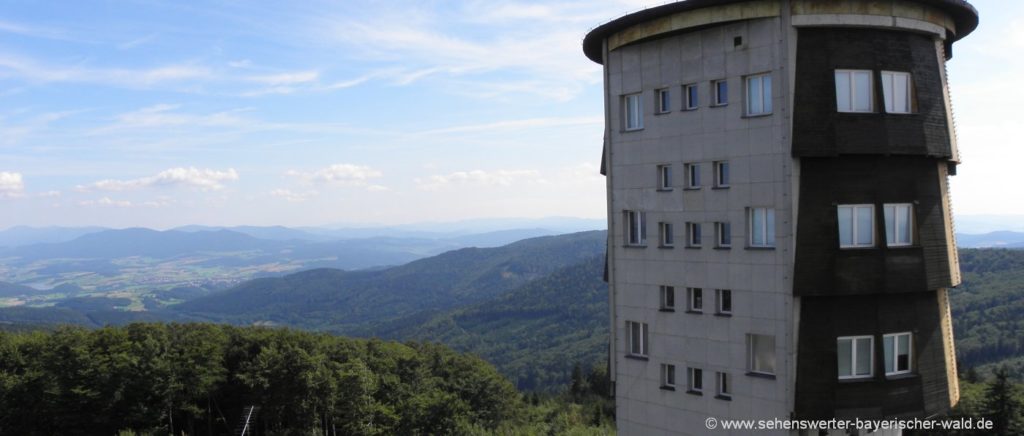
pixel 780 236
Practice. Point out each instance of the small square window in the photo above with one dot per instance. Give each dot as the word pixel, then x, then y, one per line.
pixel 636 227
pixel 854 91
pixel 663 101
pixel 636 338
pixel 855 355
pixel 693 236
pixel 667 297
pixel 722 174
pixel 899 224
pixel 691 97
pixel 723 385
pixel 632 112
pixel 759 94
pixel 898 350
pixel 721 91
pixel 723 301
pixel 695 300
pixel 668 376
pixel 723 235
pixel 856 225
pixel 692 171
pixel 761 227
pixel 694 380
pixel 898 92
pixel 665 177
pixel 761 354
pixel 667 238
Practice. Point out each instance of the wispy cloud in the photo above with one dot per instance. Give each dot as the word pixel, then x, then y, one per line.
pixel 11 185
pixel 528 123
pixel 293 196
pixel 346 175
pixel 34 71
pixel 33 31
pixel 203 179
pixel 479 177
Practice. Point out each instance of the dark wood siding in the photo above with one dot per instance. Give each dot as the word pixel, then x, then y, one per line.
pixel 820 393
pixel 822 268
pixel 820 130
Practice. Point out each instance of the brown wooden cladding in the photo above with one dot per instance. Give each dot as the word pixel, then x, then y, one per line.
pixel 819 392
pixel 820 130
pixel 822 268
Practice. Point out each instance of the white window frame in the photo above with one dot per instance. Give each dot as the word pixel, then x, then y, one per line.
pixel 890 212
pixel 722 384
pixel 854 227
pixel 767 230
pixel 760 104
pixel 632 112
pixel 894 370
pixel 691 97
pixel 694 380
pixel 752 366
pixel 665 177
pixel 695 300
pixel 852 90
pixel 668 375
pixel 853 357
pixel 694 235
pixel 889 92
pixel 635 221
pixel 716 92
pixel 641 347
pixel 720 299
pixel 692 171
pixel 722 174
pixel 723 238
pixel 667 297
pixel 667 239
pixel 662 101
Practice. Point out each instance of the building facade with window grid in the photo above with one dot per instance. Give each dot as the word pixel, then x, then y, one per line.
pixel 815 139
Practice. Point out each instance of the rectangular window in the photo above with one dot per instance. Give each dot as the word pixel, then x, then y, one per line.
pixel 693 236
pixel 855 354
pixel 663 101
pixel 722 174
pixel 664 177
pixel 759 94
pixel 723 235
pixel 668 376
pixel 690 93
pixel 854 91
pixel 899 227
pixel 897 92
pixel 692 171
pixel 667 238
pixel 723 387
pixel 723 302
pixel 761 354
pixel 897 353
pixel 721 91
pixel 694 380
pixel 856 225
pixel 762 227
pixel 668 298
pixel 636 227
pixel 695 299
pixel 633 113
pixel 636 338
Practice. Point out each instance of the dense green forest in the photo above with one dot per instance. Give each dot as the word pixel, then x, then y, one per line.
pixel 988 310
pixel 200 378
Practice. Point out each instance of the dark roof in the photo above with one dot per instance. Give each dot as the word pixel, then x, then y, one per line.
pixel 964 15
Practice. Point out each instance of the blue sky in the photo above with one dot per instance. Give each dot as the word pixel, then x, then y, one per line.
pixel 164 113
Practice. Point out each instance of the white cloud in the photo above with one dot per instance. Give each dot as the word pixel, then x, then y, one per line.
pixel 287 78
pixel 204 179
pixel 519 124
pixel 30 70
pixel 292 196
pixel 340 175
pixel 479 177
pixel 106 201
pixel 11 185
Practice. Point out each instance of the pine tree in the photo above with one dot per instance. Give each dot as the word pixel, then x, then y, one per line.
pixel 1002 406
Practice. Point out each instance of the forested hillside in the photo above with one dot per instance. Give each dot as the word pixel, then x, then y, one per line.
pixel 988 309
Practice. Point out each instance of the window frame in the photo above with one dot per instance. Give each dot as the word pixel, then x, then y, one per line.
pixel 723 234
pixel 632 104
pixel 692 172
pixel 752 366
pixel 666 239
pixel 722 384
pixel 695 300
pixel 853 357
pixel 668 376
pixel 694 380
pixel 662 101
pixel 642 345
pixel 891 85
pixel 720 297
pixel 664 172
pixel 766 230
pixel 667 298
pixel 765 97
pixel 855 231
pixel 852 91
pixel 694 235
pixel 635 220
pixel 895 371
pixel 717 86
pixel 896 224
pixel 721 177
pixel 691 97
